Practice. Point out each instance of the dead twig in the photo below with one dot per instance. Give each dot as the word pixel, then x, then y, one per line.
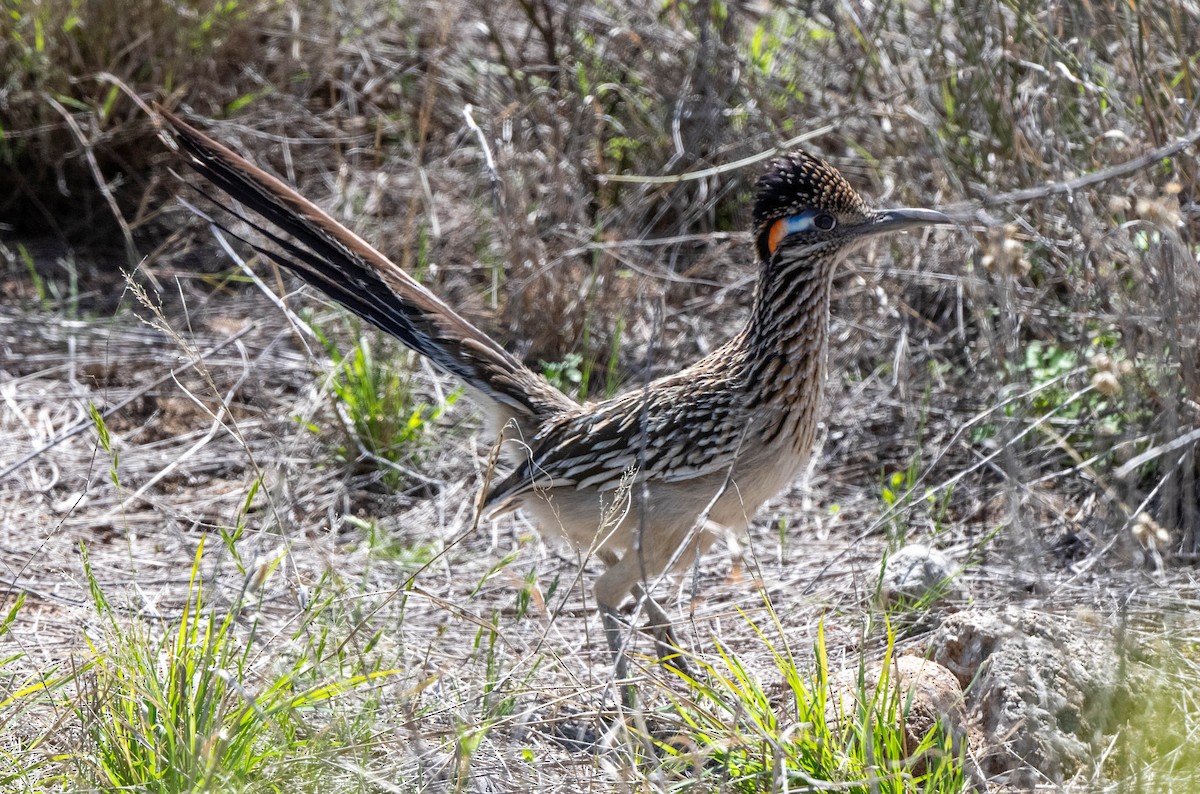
pixel 1094 178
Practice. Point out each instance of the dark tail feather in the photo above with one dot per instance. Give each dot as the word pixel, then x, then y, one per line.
pixel 334 259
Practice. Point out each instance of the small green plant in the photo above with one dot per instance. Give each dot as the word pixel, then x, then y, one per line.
pixel 35 278
pixel 105 441
pixel 575 375
pixel 502 684
pixel 896 492
pixel 808 735
pixel 1047 367
pixel 194 708
pixel 385 423
pixel 386 546
pixel 1081 419
pixel 781 79
pixel 565 375
pixel 612 374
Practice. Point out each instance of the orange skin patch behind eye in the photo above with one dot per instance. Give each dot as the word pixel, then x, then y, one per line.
pixel 779 230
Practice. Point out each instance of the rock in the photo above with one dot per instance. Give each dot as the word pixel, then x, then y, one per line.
pixel 1039 688
pixel 930 696
pixel 918 574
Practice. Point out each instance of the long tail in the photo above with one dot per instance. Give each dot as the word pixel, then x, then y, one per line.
pixel 337 261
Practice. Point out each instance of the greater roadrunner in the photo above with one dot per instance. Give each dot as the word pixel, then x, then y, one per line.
pixel 649 478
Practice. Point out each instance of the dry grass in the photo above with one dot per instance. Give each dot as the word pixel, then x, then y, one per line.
pixel 972 363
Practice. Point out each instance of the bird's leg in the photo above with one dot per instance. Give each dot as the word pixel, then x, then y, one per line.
pixel 614 632
pixel 666 646
pixel 614 626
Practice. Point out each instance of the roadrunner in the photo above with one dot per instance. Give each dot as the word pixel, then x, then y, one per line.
pixel 647 480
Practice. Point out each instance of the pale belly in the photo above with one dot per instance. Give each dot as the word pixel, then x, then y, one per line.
pixel 660 517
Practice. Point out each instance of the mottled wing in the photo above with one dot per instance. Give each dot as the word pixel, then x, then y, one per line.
pixel 673 430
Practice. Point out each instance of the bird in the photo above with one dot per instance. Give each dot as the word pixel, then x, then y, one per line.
pixel 649 479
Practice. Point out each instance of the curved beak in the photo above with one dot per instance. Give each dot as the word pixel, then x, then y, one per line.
pixel 886 221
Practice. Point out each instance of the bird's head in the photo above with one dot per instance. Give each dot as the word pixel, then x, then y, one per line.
pixel 802 206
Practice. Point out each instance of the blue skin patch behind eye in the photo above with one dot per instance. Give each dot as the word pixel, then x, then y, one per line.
pixel 804 222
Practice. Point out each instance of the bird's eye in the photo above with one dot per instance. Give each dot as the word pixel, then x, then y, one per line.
pixel 824 222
